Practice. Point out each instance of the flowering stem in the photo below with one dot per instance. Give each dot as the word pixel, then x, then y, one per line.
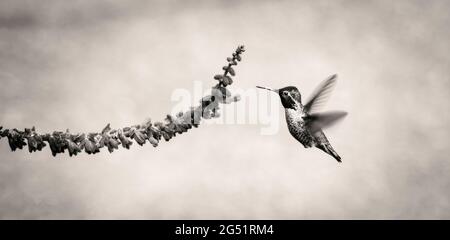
pixel 150 132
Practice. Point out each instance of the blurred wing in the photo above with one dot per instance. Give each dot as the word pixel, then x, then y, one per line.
pixel 317 121
pixel 320 94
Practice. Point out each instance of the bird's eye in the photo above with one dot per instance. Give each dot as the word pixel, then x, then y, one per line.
pixel 285 93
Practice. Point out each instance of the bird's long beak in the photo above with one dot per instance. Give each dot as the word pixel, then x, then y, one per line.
pixel 270 89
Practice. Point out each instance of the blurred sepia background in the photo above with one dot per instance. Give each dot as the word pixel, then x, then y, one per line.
pixel 81 64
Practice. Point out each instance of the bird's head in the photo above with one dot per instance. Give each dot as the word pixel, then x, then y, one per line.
pixel 290 96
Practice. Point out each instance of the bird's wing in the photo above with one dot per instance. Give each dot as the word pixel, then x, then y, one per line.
pixel 321 94
pixel 317 121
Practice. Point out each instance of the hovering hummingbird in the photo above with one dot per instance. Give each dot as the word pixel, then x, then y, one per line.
pixel 304 121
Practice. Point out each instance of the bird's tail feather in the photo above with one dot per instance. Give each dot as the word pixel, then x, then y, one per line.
pixel 329 149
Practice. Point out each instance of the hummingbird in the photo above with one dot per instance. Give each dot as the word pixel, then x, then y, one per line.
pixel 304 121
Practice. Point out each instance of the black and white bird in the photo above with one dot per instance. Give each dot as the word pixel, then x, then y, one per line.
pixel 304 121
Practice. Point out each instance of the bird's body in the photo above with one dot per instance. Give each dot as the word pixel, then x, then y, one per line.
pixel 297 127
pixel 304 124
pixel 300 129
